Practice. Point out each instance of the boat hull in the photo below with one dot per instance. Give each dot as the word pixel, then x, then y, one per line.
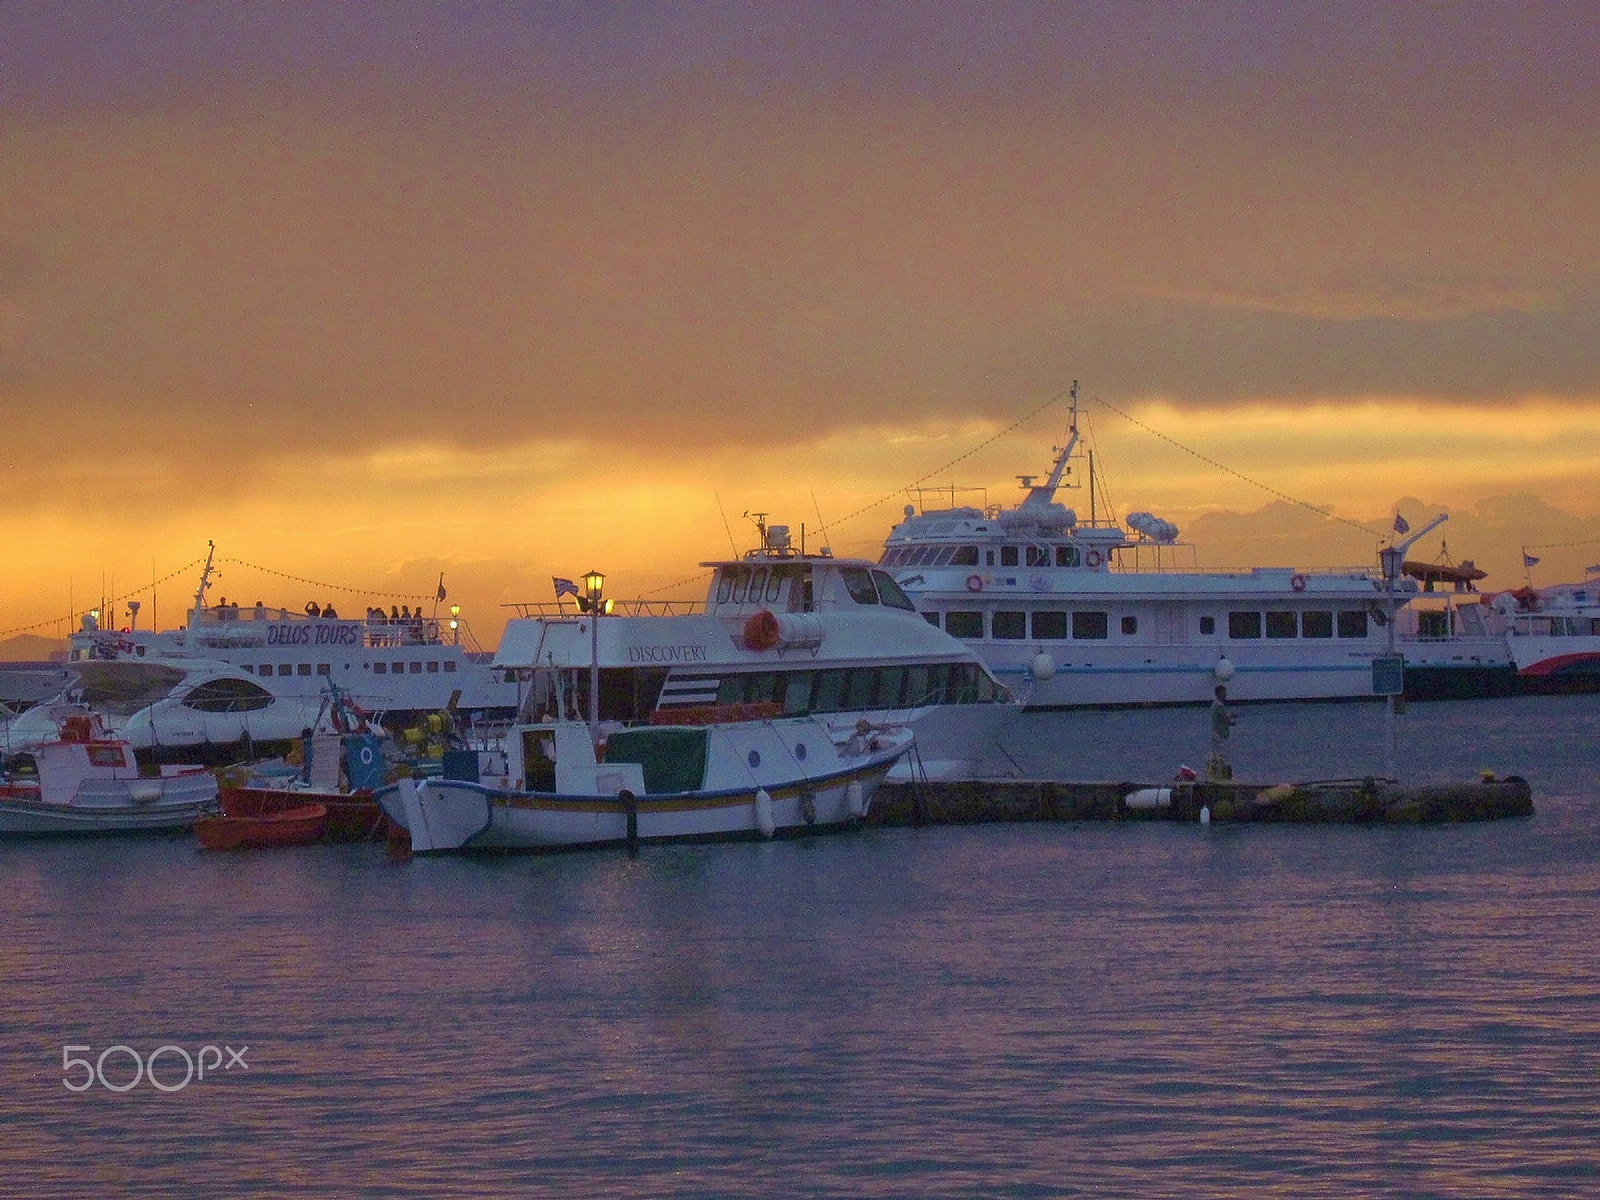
pixel 299 826
pixel 351 816
pixel 455 815
pixel 174 811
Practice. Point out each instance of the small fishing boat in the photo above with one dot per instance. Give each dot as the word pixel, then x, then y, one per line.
pixel 549 789
pixel 86 781
pixel 288 827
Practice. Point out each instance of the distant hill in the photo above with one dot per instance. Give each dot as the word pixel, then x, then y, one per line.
pixel 30 647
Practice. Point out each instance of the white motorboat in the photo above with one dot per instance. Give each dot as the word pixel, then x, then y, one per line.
pixel 746 779
pixel 84 780
pixel 782 632
pixel 1074 614
pixel 175 710
pixel 395 663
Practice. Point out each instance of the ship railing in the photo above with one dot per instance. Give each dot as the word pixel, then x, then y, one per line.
pixel 619 608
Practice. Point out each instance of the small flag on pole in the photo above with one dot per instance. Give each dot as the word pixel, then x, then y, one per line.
pixel 1401 525
pixel 1594 570
pixel 1529 560
pixel 441 587
pixel 564 587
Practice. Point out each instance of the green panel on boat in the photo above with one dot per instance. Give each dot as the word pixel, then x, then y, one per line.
pixel 673 760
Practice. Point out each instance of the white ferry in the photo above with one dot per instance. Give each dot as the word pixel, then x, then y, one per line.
pixel 1088 615
pixel 780 633
pixel 395 663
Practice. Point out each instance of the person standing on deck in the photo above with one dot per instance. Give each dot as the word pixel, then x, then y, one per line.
pixel 1222 722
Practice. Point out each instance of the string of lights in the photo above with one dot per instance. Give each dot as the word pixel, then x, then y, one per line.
pixel 110 602
pixel 324 586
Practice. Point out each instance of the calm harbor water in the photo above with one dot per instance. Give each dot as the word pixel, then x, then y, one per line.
pixel 1025 1010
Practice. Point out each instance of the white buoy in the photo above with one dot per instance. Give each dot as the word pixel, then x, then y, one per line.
pixel 1224 670
pixel 764 819
pixel 1043 667
pixel 1205 814
pixel 855 798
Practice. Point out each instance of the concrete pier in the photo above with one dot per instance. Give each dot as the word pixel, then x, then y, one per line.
pixel 1338 802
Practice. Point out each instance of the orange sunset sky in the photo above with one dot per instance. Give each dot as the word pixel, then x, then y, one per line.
pixel 364 294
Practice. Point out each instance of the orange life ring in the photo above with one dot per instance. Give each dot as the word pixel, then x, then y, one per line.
pixel 1297 583
pixel 761 631
pixel 1093 559
pixel 974 583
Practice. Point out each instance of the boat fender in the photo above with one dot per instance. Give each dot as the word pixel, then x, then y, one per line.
pixel 974 583
pixel 145 790
pixel 1148 798
pixel 1224 670
pixel 808 808
pixel 855 797
pixel 1297 583
pixel 1093 559
pixel 1043 667
pixel 1205 814
pixel 764 819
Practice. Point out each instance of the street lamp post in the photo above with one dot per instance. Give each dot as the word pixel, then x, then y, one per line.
pixel 593 584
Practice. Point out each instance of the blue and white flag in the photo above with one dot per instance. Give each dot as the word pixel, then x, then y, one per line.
pixel 1400 524
pixel 1529 560
pixel 564 587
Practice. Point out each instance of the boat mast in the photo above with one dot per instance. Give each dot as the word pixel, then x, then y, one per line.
pixel 1044 493
pixel 200 594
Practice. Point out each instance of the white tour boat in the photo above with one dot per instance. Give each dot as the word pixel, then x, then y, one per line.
pixel 547 789
pixel 1080 615
pixel 389 663
pixel 782 632
pixel 84 779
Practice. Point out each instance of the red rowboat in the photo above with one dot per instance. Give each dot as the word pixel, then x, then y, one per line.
pixel 352 816
pixel 292 827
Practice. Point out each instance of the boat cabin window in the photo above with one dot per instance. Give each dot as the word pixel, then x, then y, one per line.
pixel 1130 626
pixel 1038 556
pixel 1208 626
pixel 988 558
pixel 858 582
pixel 775 582
pixel 1280 625
pixel 1090 625
pixel 1050 624
pixel 1067 556
pixel 1353 623
pixel 932 618
pixel 758 583
pixel 963 624
pixel 227 695
pixel 1011 626
pixel 889 592
pixel 378 668
pixel 965 556
pixel 539 761
pixel 303 669
pixel 324 668
pixel 1318 623
pixel 1244 624
pixel 1008 556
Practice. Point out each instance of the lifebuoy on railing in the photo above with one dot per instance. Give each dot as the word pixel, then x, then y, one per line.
pixel 1297 583
pixel 1093 559
pixel 974 583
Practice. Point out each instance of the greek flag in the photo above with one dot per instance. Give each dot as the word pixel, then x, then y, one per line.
pixel 1400 524
pixel 564 587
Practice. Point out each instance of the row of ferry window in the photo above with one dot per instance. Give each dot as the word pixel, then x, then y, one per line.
pixel 1057 624
pixel 378 668
pixel 861 688
pixel 967 556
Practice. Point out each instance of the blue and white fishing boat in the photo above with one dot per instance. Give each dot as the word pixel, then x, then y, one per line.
pixel 547 788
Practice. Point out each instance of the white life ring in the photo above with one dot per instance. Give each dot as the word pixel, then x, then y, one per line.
pixel 1297 583
pixel 1093 559
pixel 974 583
